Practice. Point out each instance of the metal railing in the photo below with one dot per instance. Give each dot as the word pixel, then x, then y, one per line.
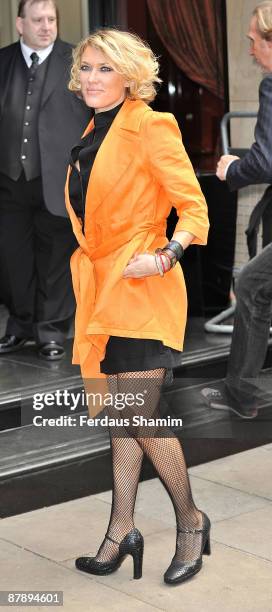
pixel 214 325
pixel 226 148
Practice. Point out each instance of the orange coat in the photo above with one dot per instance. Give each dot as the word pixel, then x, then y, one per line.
pixel 140 171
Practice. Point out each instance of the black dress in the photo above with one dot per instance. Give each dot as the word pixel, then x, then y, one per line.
pixel 122 354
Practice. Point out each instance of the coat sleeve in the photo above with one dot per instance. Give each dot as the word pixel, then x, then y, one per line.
pixel 256 166
pixel 171 167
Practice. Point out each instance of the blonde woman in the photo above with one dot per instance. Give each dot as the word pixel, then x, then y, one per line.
pixel 125 174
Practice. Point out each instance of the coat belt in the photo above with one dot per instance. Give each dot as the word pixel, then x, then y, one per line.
pixel 92 347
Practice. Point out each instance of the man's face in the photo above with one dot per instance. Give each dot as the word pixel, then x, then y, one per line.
pixel 38 27
pixel 259 48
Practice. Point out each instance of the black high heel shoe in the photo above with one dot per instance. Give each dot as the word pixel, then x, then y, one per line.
pixel 178 572
pixel 132 544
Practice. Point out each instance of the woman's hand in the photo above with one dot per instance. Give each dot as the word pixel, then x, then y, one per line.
pixel 140 265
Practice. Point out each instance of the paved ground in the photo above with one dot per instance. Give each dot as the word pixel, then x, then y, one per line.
pixel 38 549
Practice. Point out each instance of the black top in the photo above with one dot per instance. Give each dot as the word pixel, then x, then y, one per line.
pixel 86 152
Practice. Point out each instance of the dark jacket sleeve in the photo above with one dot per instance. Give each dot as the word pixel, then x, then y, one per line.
pixel 256 166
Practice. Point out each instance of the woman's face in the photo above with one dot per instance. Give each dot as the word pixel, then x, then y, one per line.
pixel 102 87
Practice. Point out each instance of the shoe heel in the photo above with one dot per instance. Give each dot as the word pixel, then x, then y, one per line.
pixel 207 547
pixel 137 564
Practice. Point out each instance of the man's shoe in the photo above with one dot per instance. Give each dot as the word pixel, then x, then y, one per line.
pixel 216 400
pixel 10 344
pixel 51 351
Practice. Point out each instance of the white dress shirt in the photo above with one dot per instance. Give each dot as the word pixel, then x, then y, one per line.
pixel 227 167
pixel 42 53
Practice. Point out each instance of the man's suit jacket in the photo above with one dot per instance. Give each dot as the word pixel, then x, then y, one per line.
pixel 256 166
pixel 62 118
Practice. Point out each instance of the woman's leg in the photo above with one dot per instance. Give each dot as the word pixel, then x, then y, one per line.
pixel 127 457
pixel 164 450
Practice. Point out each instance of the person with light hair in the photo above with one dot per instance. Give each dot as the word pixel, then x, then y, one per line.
pixel 242 394
pixel 124 175
pixel 262 18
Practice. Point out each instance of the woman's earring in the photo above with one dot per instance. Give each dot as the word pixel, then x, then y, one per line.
pixel 130 87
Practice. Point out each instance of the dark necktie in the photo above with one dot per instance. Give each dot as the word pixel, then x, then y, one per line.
pixel 35 62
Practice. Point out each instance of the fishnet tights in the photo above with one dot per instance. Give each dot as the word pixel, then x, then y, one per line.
pixel 163 449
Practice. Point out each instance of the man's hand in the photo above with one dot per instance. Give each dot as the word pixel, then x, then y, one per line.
pixel 140 265
pixel 222 164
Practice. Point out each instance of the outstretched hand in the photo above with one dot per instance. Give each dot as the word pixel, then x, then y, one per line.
pixel 140 265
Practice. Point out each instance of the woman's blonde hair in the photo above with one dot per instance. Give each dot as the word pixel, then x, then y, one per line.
pixel 263 14
pixel 129 55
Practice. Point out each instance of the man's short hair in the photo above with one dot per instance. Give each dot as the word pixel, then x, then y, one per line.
pixel 22 4
pixel 263 14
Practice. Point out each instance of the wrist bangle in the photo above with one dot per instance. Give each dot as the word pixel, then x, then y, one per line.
pixel 176 248
pixel 158 264
pixel 171 256
pixel 162 262
pixel 170 260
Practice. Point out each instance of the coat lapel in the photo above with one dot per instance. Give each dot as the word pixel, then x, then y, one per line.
pixel 57 69
pixel 115 153
pixel 14 54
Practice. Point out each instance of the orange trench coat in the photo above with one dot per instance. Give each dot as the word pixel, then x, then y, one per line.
pixel 140 171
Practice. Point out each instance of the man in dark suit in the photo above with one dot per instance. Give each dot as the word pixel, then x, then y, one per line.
pixel 254 287
pixel 40 121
